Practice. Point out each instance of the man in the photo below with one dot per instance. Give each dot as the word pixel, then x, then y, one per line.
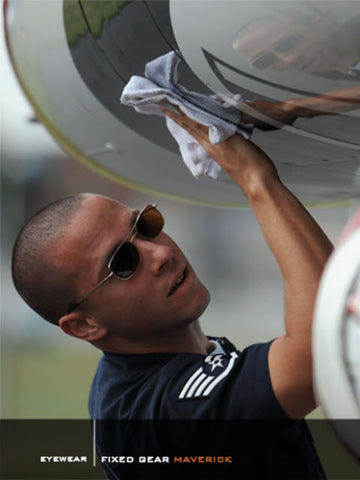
pixel 292 41
pixel 109 275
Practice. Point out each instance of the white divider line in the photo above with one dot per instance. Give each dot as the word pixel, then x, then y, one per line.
pixel 94 443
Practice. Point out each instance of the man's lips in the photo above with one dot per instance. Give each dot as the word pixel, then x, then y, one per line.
pixel 178 281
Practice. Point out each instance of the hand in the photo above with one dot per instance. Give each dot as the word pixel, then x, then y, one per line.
pixel 246 163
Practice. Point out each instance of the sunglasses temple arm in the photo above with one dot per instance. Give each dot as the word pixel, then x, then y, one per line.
pixel 92 291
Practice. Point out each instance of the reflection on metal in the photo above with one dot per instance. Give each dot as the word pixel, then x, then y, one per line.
pixel 74 66
pixel 302 38
pixel 336 340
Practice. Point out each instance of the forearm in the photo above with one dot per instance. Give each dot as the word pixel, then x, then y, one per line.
pixel 288 111
pixel 300 247
pixel 335 101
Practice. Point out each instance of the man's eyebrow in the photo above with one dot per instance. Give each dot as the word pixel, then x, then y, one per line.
pixel 106 258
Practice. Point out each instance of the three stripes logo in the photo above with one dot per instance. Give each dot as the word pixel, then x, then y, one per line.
pixel 203 381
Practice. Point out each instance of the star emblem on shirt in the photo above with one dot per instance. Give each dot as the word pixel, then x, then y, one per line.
pixel 215 361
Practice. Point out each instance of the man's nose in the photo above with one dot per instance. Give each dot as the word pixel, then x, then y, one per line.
pixel 292 58
pixel 158 257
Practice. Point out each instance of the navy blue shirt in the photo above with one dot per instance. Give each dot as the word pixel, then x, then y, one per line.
pixel 228 397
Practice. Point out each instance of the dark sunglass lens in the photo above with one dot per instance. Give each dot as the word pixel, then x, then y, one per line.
pixel 125 261
pixel 264 61
pixel 287 44
pixel 150 223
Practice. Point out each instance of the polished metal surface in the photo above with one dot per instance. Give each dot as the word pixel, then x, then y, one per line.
pixel 280 51
pixel 336 337
pixel 292 68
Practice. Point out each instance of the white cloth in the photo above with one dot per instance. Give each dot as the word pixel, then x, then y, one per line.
pixel 218 349
pixel 160 88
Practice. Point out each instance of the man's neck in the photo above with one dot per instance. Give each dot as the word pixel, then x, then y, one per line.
pixel 185 339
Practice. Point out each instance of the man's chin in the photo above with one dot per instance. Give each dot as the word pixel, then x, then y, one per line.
pixel 204 301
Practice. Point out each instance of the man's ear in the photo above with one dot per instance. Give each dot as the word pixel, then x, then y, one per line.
pixel 82 326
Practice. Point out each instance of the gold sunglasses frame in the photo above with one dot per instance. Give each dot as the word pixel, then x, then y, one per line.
pixel 133 232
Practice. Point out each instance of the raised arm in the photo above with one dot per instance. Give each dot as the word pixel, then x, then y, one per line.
pixel 301 249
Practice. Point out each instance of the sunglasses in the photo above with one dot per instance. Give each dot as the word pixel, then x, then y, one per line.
pixel 285 44
pixel 126 259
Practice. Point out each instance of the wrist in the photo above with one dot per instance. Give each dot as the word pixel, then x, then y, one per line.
pixel 261 187
pixel 300 107
pixel 251 169
pixel 255 183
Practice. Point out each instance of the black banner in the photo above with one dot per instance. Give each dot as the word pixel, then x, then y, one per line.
pixel 65 449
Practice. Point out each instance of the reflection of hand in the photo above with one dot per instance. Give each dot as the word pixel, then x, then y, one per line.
pixel 282 112
pixel 329 103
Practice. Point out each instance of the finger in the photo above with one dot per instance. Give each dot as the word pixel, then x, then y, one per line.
pixel 171 113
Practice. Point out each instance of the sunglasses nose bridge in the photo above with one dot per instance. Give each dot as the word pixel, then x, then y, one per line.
pixel 131 239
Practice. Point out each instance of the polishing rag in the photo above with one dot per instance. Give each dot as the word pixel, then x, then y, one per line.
pixel 160 89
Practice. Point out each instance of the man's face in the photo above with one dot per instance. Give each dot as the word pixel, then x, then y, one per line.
pixel 294 42
pixel 147 303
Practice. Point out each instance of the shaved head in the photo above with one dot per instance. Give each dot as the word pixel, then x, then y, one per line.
pixel 41 282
